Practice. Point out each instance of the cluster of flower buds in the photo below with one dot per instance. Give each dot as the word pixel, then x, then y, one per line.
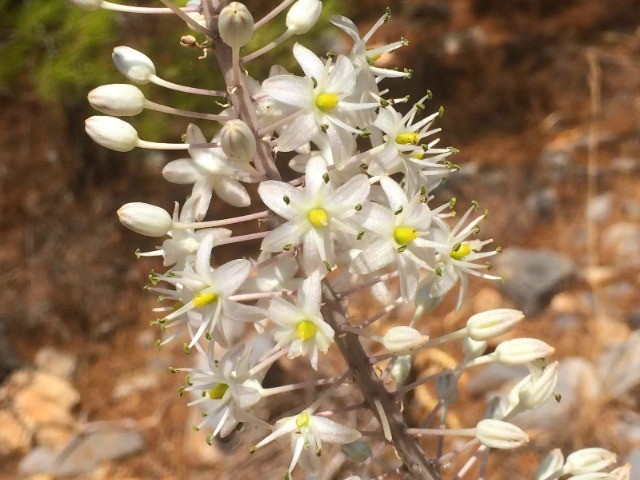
pixel 361 216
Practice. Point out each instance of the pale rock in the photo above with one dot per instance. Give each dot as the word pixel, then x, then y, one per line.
pixel 56 362
pixel 599 208
pixel 37 411
pixel 634 460
pixel 619 366
pixel 622 242
pixel 487 299
pixel 38 461
pixel 14 436
pixel 53 437
pixel 140 382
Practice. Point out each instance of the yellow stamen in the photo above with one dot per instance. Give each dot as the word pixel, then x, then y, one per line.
pixel 407 138
pixel 217 392
pixel 462 251
pixel 306 330
pixel 318 217
pixel 302 420
pixel 327 101
pixel 202 299
pixel 404 235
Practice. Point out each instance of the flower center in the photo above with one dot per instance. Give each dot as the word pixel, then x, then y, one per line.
pixel 327 101
pixel 217 392
pixel 305 330
pixel 407 138
pixel 318 217
pixel 302 420
pixel 203 299
pixel 460 250
pixel 404 235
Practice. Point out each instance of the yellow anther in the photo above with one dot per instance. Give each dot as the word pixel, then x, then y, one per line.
pixel 217 392
pixel 305 330
pixel 462 251
pixel 202 299
pixel 327 101
pixel 318 217
pixel 404 235
pixel 302 420
pixel 407 138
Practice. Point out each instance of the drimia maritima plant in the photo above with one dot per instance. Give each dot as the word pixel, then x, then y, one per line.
pixel 360 217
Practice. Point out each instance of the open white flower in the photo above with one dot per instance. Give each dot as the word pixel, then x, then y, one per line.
pixel 301 326
pixel 307 433
pixel 400 235
pixel 211 171
pixel 322 99
pixel 315 214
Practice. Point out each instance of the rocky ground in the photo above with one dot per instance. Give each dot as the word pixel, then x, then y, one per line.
pixel 543 100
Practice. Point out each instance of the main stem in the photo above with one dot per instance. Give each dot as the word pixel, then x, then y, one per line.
pixel 406 446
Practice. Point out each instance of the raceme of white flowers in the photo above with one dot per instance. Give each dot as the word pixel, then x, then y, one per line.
pixel 360 215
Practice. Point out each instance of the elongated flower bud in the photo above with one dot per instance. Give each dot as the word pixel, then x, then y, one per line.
pixel 145 219
pixel 550 464
pixel 112 133
pixel 473 348
pixel 86 4
pixel 522 350
pixel 303 15
pixel 237 141
pixel 402 340
pixel 493 323
pixel 589 460
pixel 117 99
pixel 535 392
pixel 401 368
pixel 134 65
pixel 499 434
pixel 235 25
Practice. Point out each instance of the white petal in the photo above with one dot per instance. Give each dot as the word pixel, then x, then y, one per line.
pixel 341 79
pixel 242 313
pixel 298 133
pixel 377 219
pixel 231 191
pixel 409 275
pixel 290 90
pixel 283 312
pixel 346 197
pixel 378 255
pixel 182 171
pixel 314 181
pixel 273 195
pixel 332 432
pixel 394 193
pixel 310 295
pixel 229 277
pixel 346 25
pixel 286 234
pixel 311 65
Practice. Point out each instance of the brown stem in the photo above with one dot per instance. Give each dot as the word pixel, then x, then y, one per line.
pixel 374 392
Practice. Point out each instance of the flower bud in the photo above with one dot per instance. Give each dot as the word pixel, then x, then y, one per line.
pixel 472 348
pixel 522 350
pixel 86 4
pixel 145 219
pixel 539 388
pixel 134 65
pixel 402 340
pixel 551 463
pixel 235 24
pixel 117 99
pixel 589 460
pixel 499 434
pixel 493 323
pixel 237 141
pixel 401 368
pixel 112 133
pixel 303 15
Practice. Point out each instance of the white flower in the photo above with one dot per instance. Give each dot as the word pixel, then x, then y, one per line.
pixel 208 290
pixel 315 213
pixel 550 464
pixel 237 141
pixel 117 99
pixel 493 323
pixel 301 326
pixel 235 24
pixel 589 460
pixel 303 15
pixel 522 350
pixel 307 432
pixel 322 99
pixel 112 133
pixel 499 434
pixel 226 390
pixel 400 233
pixel 145 219
pixel 211 171
pixel 402 340
pixel 134 65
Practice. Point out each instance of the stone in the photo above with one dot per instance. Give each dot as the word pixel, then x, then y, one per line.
pixel 9 360
pixel 487 299
pixel 599 208
pixel 53 437
pixel 533 277
pixel 38 461
pixel 14 436
pixel 619 366
pixel 56 362
pixel 621 241
pixel 135 384
pixel 36 411
pixel 634 319
pixel 634 460
pixel 542 203
pixel 99 442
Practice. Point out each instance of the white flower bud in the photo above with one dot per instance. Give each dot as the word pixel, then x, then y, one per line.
pixel 117 99
pixel 539 388
pixel 86 4
pixel 235 24
pixel 145 219
pixel 112 133
pixel 493 323
pixel 237 141
pixel 134 65
pixel 472 348
pixel 401 368
pixel 303 15
pixel 551 463
pixel 402 340
pixel 522 350
pixel 499 434
pixel 589 460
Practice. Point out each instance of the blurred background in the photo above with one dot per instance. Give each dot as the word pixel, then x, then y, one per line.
pixel 541 97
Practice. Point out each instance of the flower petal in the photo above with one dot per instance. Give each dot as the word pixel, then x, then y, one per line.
pixel 231 191
pixel 332 432
pixel 273 195
pixel 290 90
pixel 378 255
pixel 311 65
